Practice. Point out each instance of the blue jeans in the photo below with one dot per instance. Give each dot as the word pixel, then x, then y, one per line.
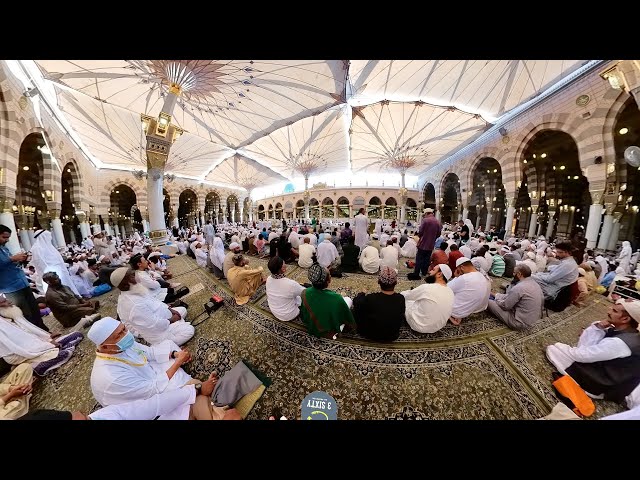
pixel 422 261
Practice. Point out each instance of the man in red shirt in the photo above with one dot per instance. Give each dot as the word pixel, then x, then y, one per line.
pixel 428 232
pixel 454 254
pixel 439 256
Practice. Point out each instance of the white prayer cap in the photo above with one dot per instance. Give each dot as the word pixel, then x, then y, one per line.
pixel 234 245
pixel 117 275
pixel 505 249
pixel 446 271
pixel 632 308
pixel 102 257
pixel 466 251
pixel 102 329
pixel 462 260
pixel 531 255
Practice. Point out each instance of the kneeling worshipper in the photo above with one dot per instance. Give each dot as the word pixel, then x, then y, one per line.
pixel 324 312
pixel 380 315
pixel 283 294
pixel 471 291
pixel 244 281
pixel 216 254
pixel 147 316
pixel 23 342
pixel 185 403
pixel 369 259
pixel 606 361
pixel 15 392
pixel 429 306
pixel 409 249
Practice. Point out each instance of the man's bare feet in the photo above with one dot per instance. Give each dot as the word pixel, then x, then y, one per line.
pixel 455 321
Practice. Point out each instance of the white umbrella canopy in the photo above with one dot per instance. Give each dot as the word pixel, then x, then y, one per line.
pixel 231 102
pixel 489 87
pixel 240 171
pixel 311 146
pixel 408 136
pixel 115 136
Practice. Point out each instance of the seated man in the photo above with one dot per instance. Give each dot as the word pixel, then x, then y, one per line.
pixel 159 289
pixel 509 261
pixel 201 255
pixel 285 250
pixel 244 281
pixel 306 251
pixel 324 312
pixel 429 306
pixel 410 248
pixel 23 342
pixel 497 263
pixel 454 255
pixel 439 256
pixel 471 291
pixel 380 315
pixel 389 256
pixel 606 361
pixel 521 306
pixel 350 258
pixel 171 404
pixel 143 314
pixel 234 249
pixel 369 259
pixel 327 254
pixel 283 294
pixel 562 275
pixel 15 392
pixel 68 308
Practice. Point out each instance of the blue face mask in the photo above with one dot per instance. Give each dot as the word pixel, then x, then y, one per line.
pixel 126 342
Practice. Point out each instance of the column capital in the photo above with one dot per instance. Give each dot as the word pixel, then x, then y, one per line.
pixel 609 207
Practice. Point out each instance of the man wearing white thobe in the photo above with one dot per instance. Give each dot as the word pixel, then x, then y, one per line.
pixel 283 294
pixel 471 289
pixel 409 249
pixel 305 253
pixel 369 259
pixel 144 315
pixel 361 229
pixel 389 256
pixel 428 307
pixel 328 255
pixel 201 256
pixel 208 232
pixel 125 370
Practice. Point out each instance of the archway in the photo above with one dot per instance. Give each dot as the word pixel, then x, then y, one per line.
pixel 375 208
pixel 247 210
pixel 429 196
pixel 232 212
pixel 556 184
pixel 278 211
pixel 70 203
pixel 187 207
pixel 122 199
pixel 343 207
pixel 627 133
pixel 487 206
pixel 450 198
pixel 30 208
pixel 300 209
pixel 327 208
pixel 261 212
pixel 412 210
pixel 314 208
pixel 211 203
pixel 391 209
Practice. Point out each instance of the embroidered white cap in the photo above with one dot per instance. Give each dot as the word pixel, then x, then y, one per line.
pixel 102 329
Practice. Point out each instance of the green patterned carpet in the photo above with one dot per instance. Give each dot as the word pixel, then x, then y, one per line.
pixel 479 370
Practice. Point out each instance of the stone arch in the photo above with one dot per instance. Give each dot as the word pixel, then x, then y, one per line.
pixel 429 195
pixel 71 167
pixel 610 119
pixel 141 193
pixel 52 169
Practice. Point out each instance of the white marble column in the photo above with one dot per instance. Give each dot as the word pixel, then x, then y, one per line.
pixel 306 211
pixel 145 225
pixel 550 225
pixel 241 212
pixel 96 227
pixel 593 225
pixel 176 223
pixel 607 228
pixel 508 226
pixel 403 213
pixel 465 213
pixel 25 240
pixel 123 232
pixel 613 239
pixel 85 230
pixel 533 225
pixel 13 245
pixel 72 238
pixel 439 215
pixel 155 205
pixel 56 227
pixel 233 212
pixel 107 228
pixel 487 224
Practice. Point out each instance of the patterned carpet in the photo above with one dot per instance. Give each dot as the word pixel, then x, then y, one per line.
pixel 479 370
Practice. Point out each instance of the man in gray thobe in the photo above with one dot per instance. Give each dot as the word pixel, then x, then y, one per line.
pixel 521 306
pixel 565 273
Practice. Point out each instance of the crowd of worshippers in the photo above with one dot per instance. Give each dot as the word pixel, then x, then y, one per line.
pixel 455 262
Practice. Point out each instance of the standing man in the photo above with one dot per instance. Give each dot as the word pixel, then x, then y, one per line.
pixel 361 226
pixel 14 283
pixel 428 232
pixel 209 232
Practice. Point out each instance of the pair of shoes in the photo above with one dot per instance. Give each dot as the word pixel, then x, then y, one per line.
pixel 45 367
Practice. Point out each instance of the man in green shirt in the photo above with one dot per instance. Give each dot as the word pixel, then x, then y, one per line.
pixel 324 312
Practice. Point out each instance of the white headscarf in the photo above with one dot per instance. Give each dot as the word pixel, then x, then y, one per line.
pixel 604 265
pixel 468 223
pixel 216 252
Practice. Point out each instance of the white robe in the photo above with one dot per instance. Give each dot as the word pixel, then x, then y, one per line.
pixel 409 249
pixel 201 257
pixel 20 339
pixel 155 290
pixel 327 253
pixel 370 260
pixel 148 317
pixel 389 257
pixel 47 259
pixel 216 252
pixel 624 259
pixel 361 227
pixel 138 372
